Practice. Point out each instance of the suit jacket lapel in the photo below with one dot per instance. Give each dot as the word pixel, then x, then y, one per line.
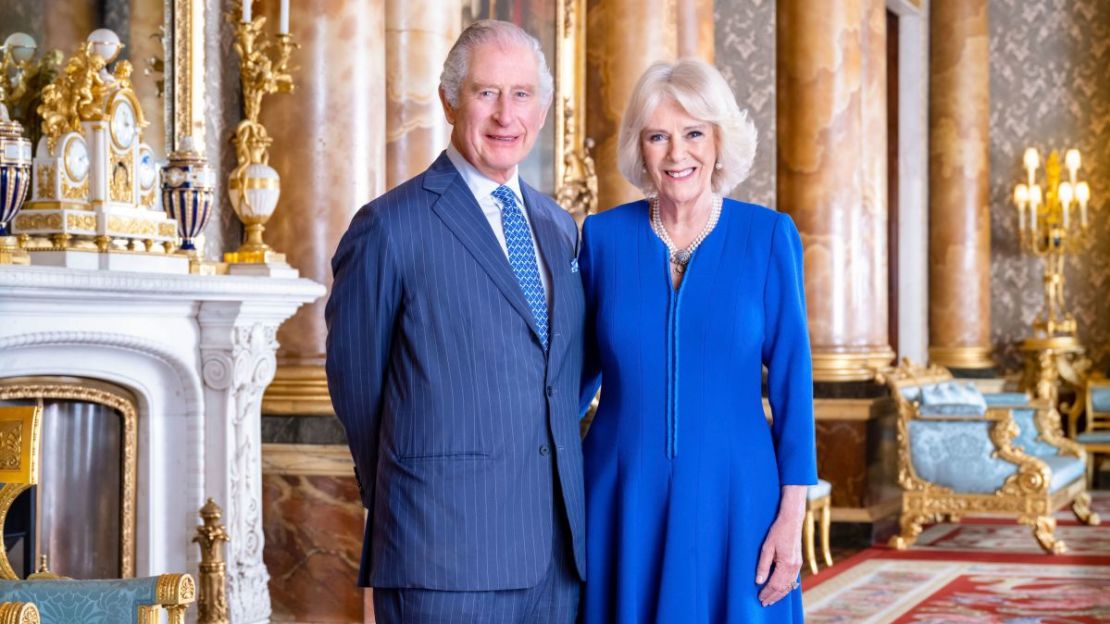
pixel 461 213
pixel 547 235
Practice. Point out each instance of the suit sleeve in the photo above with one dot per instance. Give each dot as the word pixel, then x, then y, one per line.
pixel 786 355
pixel 591 363
pixel 361 315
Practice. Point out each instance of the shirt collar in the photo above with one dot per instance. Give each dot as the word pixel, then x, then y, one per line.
pixel 481 186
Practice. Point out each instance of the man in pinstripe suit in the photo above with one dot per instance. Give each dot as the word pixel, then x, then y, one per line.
pixel 454 356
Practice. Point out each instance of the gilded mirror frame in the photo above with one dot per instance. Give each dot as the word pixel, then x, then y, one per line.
pixel 575 178
pixel 184 21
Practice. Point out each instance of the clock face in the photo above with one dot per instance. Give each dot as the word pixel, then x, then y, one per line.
pixel 77 159
pixel 123 125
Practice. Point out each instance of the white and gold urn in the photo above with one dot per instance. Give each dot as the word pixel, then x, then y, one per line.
pixel 254 190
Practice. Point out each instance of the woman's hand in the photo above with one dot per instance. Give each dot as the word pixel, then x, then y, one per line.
pixel 783 547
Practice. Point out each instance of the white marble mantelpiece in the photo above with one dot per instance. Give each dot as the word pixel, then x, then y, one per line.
pixel 197 352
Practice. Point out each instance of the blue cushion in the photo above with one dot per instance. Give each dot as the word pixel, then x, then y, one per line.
pixel 957 455
pixel 84 602
pixel 1028 437
pixel 1065 469
pixel 911 393
pixel 820 490
pixel 996 399
pixel 1094 437
pixel 952 398
pixel 1100 398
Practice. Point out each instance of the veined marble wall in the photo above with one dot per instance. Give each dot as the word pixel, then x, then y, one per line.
pixel 745 37
pixel 1049 89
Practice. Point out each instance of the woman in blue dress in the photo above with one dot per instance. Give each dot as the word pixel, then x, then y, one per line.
pixel 694 502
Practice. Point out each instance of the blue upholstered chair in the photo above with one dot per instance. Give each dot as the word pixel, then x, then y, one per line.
pixel 961 452
pixel 66 601
pixel 818 503
pixel 1096 439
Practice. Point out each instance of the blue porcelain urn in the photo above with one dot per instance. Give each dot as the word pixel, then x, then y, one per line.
pixel 188 193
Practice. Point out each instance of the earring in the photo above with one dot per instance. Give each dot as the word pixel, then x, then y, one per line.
pixel 644 169
pixel 718 166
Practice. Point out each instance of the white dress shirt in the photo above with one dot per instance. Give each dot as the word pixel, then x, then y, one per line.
pixel 483 188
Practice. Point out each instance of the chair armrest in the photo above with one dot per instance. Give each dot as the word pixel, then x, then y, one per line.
pixel 972 454
pixel 19 612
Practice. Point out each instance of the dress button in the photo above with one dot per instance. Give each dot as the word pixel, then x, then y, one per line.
pixel 544 450
pixel 550 391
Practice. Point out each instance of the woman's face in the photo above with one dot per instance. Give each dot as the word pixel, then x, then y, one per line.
pixel 679 152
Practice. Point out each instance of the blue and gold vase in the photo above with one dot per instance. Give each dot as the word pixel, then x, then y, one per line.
pixel 15 179
pixel 188 194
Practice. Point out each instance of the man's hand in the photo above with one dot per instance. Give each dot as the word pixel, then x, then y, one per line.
pixel 783 547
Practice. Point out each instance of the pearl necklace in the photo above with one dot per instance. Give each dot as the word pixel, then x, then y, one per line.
pixel 681 257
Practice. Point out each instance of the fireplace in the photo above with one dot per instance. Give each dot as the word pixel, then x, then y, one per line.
pixel 179 363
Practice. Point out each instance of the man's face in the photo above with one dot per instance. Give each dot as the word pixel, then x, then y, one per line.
pixel 500 109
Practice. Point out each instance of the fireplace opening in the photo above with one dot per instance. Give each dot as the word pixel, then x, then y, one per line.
pixel 81 515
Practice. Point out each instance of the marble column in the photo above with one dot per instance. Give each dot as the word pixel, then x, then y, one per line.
pixel 831 175
pixel 329 147
pixel 418 34
pixel 694 26
pixel 959 177
pixel 614 62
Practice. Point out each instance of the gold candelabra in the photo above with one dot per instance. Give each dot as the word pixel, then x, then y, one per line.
pixel 253 185
pixel 1051 221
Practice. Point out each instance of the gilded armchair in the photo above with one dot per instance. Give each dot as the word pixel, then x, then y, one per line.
pixel 1096 439
pixel 961 452
pixel 67 601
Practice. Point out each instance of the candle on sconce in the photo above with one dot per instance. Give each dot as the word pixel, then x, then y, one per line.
pixel 1035 198
pixel 283 18
pixel 1021 197
pixel 247 11
pixel 1082 195
pixel 1065 193
pixel 1031 160
pixel 1071 161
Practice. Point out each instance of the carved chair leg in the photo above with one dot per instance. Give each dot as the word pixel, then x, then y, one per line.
pixel 1081 507
pixel 911 528
pixel 826 520
pixel 1044 529
pixel 807 537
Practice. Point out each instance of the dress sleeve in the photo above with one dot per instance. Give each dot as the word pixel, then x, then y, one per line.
pixel 786 355
pixel 591 363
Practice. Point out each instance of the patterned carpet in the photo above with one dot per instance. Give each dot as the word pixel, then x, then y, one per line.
pixel 981 570
pixel 929 587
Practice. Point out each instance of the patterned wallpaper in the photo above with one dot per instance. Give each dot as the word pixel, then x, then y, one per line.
pixel 745 53
pixel 1049 89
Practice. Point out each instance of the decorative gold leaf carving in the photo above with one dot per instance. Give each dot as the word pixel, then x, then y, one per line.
pixel 11 440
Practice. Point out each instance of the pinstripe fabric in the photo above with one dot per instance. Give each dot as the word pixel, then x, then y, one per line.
pixel 452 410
pixel 554 600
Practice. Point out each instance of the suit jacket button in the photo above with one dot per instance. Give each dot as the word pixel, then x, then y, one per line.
pixel 544 450
pixel 550 391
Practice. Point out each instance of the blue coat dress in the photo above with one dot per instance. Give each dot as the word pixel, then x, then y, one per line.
pixel 682 470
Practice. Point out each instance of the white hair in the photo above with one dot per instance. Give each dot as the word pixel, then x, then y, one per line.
pixel 457 65
pixel 702 92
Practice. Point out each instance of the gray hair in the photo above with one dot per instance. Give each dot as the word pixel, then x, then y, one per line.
pixel 702 92
pixel 457 64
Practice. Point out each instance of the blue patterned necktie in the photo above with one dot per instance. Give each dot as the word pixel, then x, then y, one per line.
pixel 522 257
